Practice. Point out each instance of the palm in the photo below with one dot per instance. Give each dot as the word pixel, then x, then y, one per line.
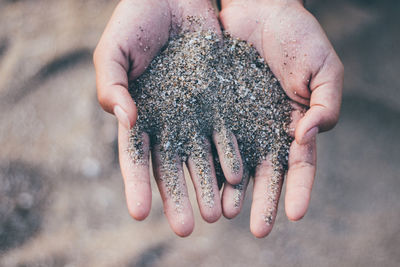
pixel 290 39
pixel 139 30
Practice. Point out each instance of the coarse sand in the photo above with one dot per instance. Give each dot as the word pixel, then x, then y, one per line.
pixel 201 84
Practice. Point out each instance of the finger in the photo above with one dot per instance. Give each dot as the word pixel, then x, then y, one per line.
pixel 201 168
pixel 135 171
pixel 300 179
pixel 112 89
pixel 266 192
pixel 172 186
pixel 126 47
pixel 233 196
pixel 112 66
pixel 217 166
pixel 229 155
pixel 326 87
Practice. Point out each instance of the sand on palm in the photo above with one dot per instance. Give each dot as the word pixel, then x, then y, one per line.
pixel 202 83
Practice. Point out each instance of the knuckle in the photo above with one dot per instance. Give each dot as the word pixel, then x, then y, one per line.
pixel 223 14
pixel 332 119
pixel 338 67
pixel 301 165
pixel 132 184
pixel 103 98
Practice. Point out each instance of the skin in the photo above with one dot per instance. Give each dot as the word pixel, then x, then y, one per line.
pixel 134 35
pixel 300 55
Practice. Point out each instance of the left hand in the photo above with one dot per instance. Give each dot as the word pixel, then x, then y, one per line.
pixel 300 55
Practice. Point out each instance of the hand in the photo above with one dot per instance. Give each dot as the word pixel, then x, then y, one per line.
pixel 299 54
pixel 134 35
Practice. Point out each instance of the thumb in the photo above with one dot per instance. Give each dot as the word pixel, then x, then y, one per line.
pixel 113 58
pixel 326 96
pixel 112 85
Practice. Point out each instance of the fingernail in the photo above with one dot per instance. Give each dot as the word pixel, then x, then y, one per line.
pixel 309 136
pixel 122 116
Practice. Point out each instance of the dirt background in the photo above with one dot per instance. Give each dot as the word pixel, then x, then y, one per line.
pixel 61 193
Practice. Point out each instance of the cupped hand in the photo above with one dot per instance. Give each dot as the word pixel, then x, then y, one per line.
pixel 134 35
pixel 301 57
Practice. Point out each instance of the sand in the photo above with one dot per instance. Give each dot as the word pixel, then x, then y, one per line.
pixel 202 83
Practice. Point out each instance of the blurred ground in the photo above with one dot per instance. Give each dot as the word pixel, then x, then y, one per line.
pixel 52 127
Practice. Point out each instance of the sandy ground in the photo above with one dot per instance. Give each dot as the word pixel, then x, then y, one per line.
pixel 51 127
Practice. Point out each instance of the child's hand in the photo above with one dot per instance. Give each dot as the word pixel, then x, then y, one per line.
pixel 302 58
pixel 135 34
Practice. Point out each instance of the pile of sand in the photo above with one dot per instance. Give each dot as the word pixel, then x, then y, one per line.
pixel 199 84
